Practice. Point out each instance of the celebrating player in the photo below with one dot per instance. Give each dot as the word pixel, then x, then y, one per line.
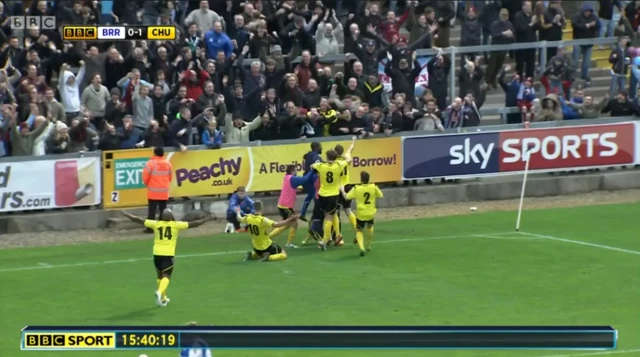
pixel 344 181
pixel 165 239
pixel 264 248
pixel 288 199
pixel 329 174
pixel 366 195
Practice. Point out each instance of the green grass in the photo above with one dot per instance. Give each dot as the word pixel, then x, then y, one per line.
pixel 416 280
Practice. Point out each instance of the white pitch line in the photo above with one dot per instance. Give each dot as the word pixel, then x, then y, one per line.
pixel 133 260
pixel 601 246
pixel 603 353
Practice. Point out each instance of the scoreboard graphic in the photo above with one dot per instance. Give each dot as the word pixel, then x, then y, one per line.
pixel 319 337
pixel 92 33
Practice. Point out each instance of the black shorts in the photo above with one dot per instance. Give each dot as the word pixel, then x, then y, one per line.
pixel 343 202
pixel 285 213
pixel 272 249
pixel 329 204
pixel 361 224
pixel 163 264
pixel 317 211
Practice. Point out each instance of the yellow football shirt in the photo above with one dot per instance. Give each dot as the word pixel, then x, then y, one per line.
pixel 165 235
pixel 366 197
pixel 329 173
pixel 258 226
pixel 344 175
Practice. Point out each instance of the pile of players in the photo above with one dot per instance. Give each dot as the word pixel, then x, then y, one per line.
pixel 326 181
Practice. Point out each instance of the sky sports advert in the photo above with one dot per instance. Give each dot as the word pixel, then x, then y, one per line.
pixel 491 153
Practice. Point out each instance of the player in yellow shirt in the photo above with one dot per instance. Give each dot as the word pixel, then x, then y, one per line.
pixel 344 181
pixel 329 174
pixel 366 195
pixel 165 239
pixel 258 226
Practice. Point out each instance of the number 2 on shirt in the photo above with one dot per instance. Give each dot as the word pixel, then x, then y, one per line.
pixel 167 233
pixel 367 197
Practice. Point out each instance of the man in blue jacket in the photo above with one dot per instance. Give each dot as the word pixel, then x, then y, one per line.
pixel 215 41
pixel 310 158
pixel 239 200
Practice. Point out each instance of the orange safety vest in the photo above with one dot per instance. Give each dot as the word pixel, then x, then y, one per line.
pixel 156 175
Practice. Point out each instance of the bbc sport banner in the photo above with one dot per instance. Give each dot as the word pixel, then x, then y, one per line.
pixel 47 184
pixel 214 172
pixel 495 153
pixel 421 81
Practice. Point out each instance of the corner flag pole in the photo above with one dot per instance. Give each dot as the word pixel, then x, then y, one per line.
pixel 527 157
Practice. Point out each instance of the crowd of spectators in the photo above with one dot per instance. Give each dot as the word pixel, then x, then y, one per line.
pixel 232 75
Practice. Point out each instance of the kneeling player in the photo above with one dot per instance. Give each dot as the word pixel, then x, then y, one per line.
pixel 264 248
pixel 365 195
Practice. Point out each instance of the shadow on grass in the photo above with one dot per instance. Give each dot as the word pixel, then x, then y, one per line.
pixel 132 315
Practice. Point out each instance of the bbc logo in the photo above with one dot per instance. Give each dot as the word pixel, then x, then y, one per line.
pixel 29 22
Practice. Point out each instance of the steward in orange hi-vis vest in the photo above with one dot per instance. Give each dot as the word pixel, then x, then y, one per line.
pixel 157 175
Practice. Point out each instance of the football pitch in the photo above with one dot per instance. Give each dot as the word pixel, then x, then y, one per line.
pixel 574 266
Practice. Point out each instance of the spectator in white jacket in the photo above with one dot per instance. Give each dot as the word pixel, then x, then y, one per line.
pixel 94 99
pixel 69 87
pixel 327 36
pixel 203 17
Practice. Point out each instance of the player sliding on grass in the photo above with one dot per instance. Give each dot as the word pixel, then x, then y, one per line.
pixel 344 181
pixel 165 239
pixel 264 248
pixel 287 201
pixel 329 174
pixel 366 195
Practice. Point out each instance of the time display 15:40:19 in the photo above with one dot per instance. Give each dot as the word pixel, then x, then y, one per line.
pixel 147 339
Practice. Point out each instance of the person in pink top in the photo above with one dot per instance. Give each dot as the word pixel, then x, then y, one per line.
pixel 287 201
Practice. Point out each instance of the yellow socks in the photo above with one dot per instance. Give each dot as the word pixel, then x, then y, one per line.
pixel 292 234
pixel 277 231
pixel 326 235
pixel 162 287
pixel 164 293
pixel 254 255
pixel 360 239
pixel 352 219
pixel 370 234
pixel 276 257
pixel 336 225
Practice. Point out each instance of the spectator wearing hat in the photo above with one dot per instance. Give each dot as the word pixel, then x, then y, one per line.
pixel 502 33
pixel 58 142
pixel 237 130
pixel 585 25
pixel 114 110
